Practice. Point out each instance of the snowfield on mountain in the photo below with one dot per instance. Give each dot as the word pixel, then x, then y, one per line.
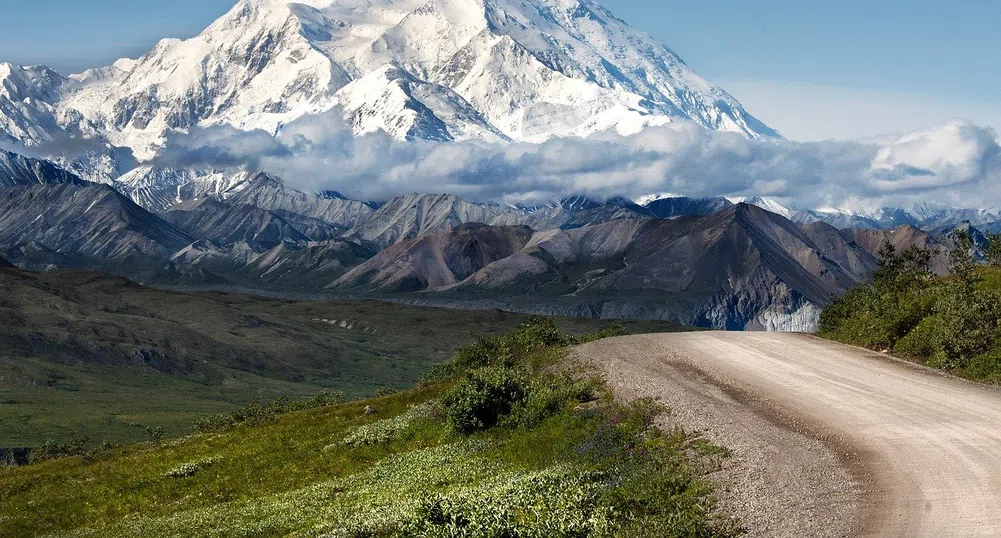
pixel 495 70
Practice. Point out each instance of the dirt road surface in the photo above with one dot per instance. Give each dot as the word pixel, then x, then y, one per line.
pixel 827 440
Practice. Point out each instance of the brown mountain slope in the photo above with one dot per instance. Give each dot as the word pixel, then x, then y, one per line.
pixel 438 259
pixel 742 267
pixel 90 220
pixel 903 237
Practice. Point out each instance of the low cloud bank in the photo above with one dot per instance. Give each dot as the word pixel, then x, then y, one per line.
pixel 957 163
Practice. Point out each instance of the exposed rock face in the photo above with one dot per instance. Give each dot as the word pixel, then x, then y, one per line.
pixel 928 217
pixel 667 208
pixel 437 260
pixel 17 170
pixel 299 266
pixel 416 215
pixel 740 268
pixel 266 192
pixel 903 237
pixel 92 220
pixel 226 224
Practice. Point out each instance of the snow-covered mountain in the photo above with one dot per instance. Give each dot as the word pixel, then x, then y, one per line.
pixel 767 204
pixel 925 216
pixel 523 70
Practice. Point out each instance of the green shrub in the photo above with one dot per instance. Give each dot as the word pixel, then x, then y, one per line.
pixel 875 317
pixel 257 413
pixel 549 394
pixel 484 352
pixel 947 322
pixel 993 253
pixel 513 348
pixel 483 397
pixel 611 331
pixel 538 333
pixel 986 366
pixel 971 325
pixel 925 341
pixel 52 450
pixel 103 450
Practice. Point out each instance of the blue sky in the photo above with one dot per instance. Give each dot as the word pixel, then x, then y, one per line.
pixel 813 69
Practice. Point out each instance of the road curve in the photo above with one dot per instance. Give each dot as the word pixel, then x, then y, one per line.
pixel 923 449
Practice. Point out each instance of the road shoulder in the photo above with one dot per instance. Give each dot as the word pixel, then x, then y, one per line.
pixel 781 480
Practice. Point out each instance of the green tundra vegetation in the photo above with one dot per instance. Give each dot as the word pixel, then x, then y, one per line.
pixel 88 355
pixel 505 440
pixel 950 322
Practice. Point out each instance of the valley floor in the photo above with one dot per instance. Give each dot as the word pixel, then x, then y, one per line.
pixel 85 354
pixel 559 458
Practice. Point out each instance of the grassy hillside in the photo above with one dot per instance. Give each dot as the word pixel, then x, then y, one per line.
pixel 85 354
pixel 499 442
pixel 952 323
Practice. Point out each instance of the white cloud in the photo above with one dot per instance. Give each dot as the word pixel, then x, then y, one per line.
pixel 946 156
pixel 957 162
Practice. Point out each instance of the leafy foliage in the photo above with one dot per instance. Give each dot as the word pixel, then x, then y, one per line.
pixel 53 450
pixel 257 413
pixel 993 253
pixel 947 322
pixel 879 314
pixel 484 396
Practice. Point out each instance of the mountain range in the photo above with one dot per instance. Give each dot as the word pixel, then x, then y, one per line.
pixel 441 70
pixel 485 71
pixel 708 262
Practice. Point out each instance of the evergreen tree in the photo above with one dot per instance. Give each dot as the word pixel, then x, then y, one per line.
pixel 994 249
pixel 962 265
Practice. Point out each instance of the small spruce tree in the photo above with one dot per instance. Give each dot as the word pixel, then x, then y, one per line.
pixel 994 249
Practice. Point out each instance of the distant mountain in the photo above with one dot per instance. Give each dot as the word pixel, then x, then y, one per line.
pixel 288 266
pixel 416 215
pixel 29 98
pixel 90 220
pixel 928 217
pixel 740 268
pixel 843 248
pixel 613 209
pixel 231 223
pixel 681 206
pixel 704 262
pixel 490 70
pixel 765 203
pixel 157 189
pixel 437 259
pixel 494 70
pixel 836 219
pixel 267 192
pixel 17 170
pixel 903 237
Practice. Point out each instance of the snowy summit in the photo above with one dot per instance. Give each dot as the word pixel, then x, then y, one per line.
pixel 497 70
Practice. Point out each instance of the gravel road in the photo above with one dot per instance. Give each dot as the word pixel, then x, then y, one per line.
pixel 827 440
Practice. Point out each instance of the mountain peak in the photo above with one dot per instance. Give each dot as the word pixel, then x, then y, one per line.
pixel 442 70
